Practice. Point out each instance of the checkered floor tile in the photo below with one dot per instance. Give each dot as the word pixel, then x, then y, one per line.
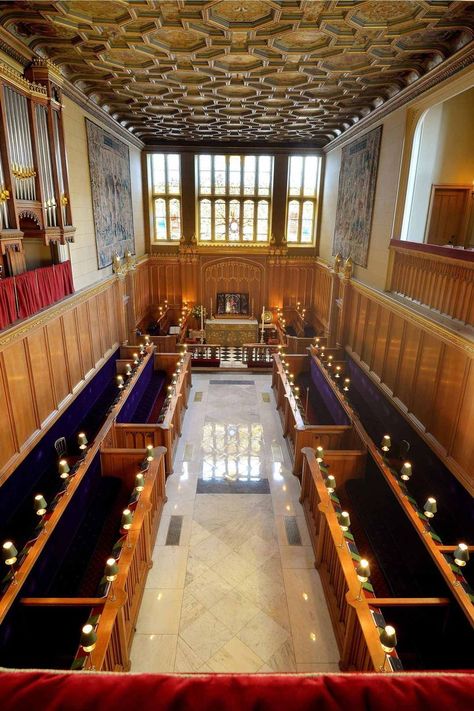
pixel 231 355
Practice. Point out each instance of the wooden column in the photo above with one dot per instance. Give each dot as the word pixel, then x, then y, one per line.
pixel 188 196
pixel 280 189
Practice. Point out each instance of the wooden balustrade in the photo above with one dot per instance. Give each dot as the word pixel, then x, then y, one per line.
pixel 441 278
pixel 205 351
pixel 258 354
pixel 340 441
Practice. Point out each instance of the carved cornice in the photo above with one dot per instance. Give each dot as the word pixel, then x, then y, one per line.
pixel 25 327
pixel 420 321
pixel 69 90
pixel 459 61
pixel 15 78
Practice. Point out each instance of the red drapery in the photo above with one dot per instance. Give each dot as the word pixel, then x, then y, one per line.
pixel 25 294
pixel 55 691
pixel 7 303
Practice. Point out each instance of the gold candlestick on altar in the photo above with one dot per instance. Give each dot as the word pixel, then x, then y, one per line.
pixel 262 340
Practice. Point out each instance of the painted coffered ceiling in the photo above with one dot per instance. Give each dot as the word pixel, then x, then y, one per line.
pixel 281 72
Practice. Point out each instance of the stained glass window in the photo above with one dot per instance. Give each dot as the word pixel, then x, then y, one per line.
pixel 234 211
pixel 166 191
pixel 303 187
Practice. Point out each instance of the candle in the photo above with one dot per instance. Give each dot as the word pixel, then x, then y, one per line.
pixel 210 310
pixel 202 318
pixel 253 304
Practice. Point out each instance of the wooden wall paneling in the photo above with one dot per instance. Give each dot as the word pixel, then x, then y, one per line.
pixel 20 391
pixel 424 382
pixel 370 330
pixel 322 293
pixel 85 341
pixel 407 365
pixel 58 360
pixel 72 349
pixel 352 321
pixel 361 324
pixel 94 330
pixel 104 322
pixel 380 340
pixel 41 374
pixel 392 354
pixel 462 449
pixel 448 394
pixel 8 443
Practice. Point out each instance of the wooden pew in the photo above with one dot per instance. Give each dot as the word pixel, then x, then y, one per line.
pixel 115 614
pixel 351 608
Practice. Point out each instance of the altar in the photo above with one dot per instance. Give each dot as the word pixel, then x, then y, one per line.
pixel 231 332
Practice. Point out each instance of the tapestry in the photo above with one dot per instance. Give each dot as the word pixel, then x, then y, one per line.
pixel 355 202
pixel 109 165
pixel 228 303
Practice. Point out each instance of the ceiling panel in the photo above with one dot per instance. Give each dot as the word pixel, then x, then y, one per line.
pixel 241 70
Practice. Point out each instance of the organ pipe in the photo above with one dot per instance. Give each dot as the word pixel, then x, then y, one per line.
pixel 33 171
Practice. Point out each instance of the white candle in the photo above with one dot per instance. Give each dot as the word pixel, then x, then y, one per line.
pixel 202 318
pixel 210 311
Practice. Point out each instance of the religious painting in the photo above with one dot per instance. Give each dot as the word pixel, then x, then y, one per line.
pixel 355 203
pixel 109 166
pixel 230 303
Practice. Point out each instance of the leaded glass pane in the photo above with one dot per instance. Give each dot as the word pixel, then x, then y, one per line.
pixel 160 219
pixel 234 221
pixel 307 222
pixel 293 219
pixel 175 219
pixel 205 232
pixel 262 221
pixel 249 175
pixel 158 172
pixel 220 220
pixel 173 173
pixel 248 222
pixel 310 176
pixel 220 175
pixel 234 175
pixel 264 175
pixel 296 174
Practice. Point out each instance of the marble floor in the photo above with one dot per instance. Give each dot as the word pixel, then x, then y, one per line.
pixel 233 586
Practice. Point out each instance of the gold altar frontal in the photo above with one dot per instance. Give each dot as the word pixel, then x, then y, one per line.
pixel 231 332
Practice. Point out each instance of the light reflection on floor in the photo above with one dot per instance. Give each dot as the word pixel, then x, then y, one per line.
pixel 232 452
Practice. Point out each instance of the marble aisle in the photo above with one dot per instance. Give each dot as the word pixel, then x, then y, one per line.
pixel 234 595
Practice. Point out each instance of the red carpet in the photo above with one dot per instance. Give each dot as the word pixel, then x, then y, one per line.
pixel 36 691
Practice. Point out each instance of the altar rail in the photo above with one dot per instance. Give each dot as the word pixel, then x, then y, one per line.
pixel 356 632
pixel 299 432
pixel 258 355
pixel 438 280
pixel 167 432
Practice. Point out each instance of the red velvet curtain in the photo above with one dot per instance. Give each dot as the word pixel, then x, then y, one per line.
pixel 7 302
pixel 29 300
pixel 34 291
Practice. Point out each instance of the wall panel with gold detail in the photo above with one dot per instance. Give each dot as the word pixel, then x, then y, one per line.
pixel 45 361
pixel 426 369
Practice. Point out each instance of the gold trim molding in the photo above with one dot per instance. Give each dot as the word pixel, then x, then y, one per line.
pixel 35 321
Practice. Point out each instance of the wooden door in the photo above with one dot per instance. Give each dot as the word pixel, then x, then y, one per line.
pixel 448 214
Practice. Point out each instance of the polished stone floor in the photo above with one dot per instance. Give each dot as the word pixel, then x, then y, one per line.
pixel 233 587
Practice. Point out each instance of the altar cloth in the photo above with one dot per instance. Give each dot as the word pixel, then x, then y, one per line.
pixel 231 332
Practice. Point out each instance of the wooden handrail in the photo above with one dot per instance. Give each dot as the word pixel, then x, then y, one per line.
pixel 63 601
pixel 411 601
